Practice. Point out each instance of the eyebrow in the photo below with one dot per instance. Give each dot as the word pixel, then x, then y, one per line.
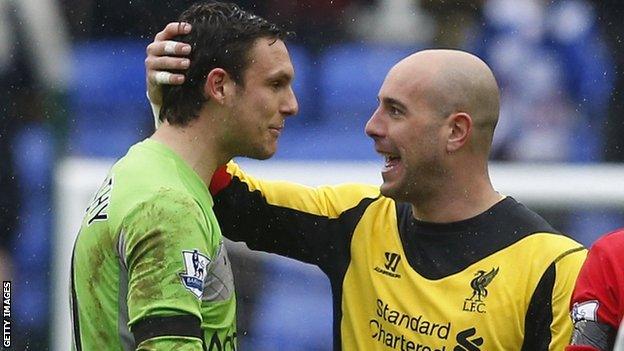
pixel 281 75
pixel 392 101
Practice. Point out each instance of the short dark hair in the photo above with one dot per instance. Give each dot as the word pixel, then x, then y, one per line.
pixel 222 35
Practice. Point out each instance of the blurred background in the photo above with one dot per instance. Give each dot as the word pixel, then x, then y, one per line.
pixel 72 100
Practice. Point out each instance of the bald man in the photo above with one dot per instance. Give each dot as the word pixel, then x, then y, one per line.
pixel 434 124
pixel 435 258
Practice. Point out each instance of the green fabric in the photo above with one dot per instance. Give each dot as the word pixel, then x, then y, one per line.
pixel 148 244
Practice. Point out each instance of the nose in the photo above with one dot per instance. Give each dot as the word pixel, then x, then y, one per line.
pixel 374 126
pixel 290 106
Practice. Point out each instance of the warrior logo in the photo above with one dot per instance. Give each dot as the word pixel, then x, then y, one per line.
pixel 479 292
pixel 390 266
pixel 392 260
pixel 194 275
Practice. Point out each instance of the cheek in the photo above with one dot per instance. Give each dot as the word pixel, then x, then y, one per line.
pixel 253 130
pixel 418 147
pixel 248 118
pixel 242 127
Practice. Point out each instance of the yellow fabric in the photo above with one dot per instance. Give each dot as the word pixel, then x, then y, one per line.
pixel 442 307
pixel 328 201
pixel 385 303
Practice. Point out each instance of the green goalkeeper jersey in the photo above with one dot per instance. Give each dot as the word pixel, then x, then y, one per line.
pixel 149 268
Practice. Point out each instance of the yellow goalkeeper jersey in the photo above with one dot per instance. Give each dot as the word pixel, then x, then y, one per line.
pixel 499 281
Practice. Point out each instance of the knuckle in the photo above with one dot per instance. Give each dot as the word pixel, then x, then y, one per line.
pixel 149 62
pixel 158 35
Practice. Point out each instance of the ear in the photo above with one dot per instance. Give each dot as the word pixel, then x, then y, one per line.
pixel 217 85
pixel 460 128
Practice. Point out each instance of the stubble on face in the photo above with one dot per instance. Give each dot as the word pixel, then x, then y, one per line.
pixel 414 135
pixel 423 170
pixel 257 120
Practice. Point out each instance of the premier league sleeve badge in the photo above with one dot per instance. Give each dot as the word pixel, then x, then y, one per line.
pixel 196 269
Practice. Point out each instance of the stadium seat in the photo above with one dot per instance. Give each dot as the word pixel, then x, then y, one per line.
pixel 107 98
pixel 33 155
pixel 295 309
pixel 349 78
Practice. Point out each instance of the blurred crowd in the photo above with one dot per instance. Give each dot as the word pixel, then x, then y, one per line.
pixel 559 65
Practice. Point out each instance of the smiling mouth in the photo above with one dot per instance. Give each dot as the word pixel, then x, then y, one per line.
pixel 276 131
pixel 390 161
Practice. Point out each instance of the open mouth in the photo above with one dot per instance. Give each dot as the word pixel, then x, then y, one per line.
pixel 391 161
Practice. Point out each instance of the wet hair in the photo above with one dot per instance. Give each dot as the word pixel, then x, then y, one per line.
pixel 222 36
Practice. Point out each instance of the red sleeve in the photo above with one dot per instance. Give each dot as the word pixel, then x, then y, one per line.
pixel 601 280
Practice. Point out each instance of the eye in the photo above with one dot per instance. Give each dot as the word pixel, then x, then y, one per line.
pixel 394 111
pixel 277 84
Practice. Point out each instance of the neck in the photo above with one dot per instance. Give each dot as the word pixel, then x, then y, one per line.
pixel 195 144
pixel 456 200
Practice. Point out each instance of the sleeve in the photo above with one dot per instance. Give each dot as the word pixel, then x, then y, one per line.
pixel 567 268
pixel 312 225
pixel 166 251
pixel 598 282
pixel 595 305
pixel 551 331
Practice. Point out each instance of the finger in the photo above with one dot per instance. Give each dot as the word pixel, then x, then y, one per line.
pixel 166 63
pixel 172 30
pixel 168 47
pixel 165 78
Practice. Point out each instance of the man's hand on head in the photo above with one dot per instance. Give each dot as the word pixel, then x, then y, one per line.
pixel 164 56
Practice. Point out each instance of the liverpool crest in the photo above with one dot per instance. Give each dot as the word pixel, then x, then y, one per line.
pixel 479 290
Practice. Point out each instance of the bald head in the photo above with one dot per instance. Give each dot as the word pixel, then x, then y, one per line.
pixel 454 81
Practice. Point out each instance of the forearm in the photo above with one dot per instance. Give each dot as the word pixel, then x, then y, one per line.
pixel 286 218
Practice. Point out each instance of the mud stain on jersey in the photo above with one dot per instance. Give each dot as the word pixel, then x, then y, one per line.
pixel 96 281
pixel 147 272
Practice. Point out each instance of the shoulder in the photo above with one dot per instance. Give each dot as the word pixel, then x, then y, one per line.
pixel 142 180
pixel 612 242
pixel 515 214
pixel 518 224
pixel 530 226
pixel 534 237
pixel 166 203
pixel 169 217
pixel 165 210
pixel 142 166
pixel 605 255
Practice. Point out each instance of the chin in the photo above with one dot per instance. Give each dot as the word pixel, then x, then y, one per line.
pixel 264 156
pixel 262 153
pixel 394 192
pixel 387 190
